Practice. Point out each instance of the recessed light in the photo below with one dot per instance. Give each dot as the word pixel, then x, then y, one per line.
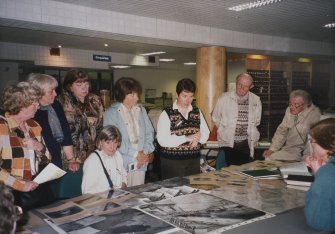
pixel 330 25
pixel 59 46
pixel 250 5
pixel 304 60
pixel 105 45
pixel 190 64
pixel 166 60
pixel 153 53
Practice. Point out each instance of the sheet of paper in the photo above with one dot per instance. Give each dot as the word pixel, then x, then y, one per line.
pixel 50 172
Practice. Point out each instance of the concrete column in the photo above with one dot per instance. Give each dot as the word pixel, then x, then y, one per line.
pixel 210 79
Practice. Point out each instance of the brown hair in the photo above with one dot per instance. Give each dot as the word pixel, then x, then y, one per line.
pixel 109 133
pixel 23 94
pixel 74 75
pixel 125 86
pixel 323 133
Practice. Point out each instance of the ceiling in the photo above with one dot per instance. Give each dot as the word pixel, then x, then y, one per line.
pixel 302 19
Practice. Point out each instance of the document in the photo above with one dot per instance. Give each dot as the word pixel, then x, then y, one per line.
pixel 298 168
pixel 50 172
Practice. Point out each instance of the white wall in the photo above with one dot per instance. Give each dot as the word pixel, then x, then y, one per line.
pixel 234 68
pixel 9 74
pixel 160 79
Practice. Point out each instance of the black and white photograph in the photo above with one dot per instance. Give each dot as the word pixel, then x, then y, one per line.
pixel 203 213
pixel 123 221
pixel 68 211
pixel 104 207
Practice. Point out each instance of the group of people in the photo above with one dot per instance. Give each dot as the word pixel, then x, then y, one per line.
pixel 107 147
pixel 301 136
pixel 112 146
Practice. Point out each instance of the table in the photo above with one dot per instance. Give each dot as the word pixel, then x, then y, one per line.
pixel 270 196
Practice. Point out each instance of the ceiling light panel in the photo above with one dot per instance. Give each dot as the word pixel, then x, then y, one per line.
pixel 250 5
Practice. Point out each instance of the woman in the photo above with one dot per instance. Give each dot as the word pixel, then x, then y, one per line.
pixel 320 198
pixel 51 117
pixel 137 132
pixel 181 130
pixel 22 149
pixel 105 160
pixel 83 111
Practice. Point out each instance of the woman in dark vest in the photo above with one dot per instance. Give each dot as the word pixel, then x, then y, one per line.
pixel 181 130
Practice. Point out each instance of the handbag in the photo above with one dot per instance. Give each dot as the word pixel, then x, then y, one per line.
pixel 41 196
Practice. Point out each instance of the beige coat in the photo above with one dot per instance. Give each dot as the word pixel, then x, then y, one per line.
pixel 225 116
pixel 290 140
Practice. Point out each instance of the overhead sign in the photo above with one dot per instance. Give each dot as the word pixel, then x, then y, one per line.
pixel 103 58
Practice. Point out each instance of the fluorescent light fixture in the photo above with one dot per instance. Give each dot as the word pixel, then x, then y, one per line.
pixel 190 64
pixel 120 66
pixel 330 25
pixel 250 5
pixel 153 53
pixel 167 60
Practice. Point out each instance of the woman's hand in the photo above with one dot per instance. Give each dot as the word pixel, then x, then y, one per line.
pixel 143 158
pixel 194 139
pixel 29 186
pixel 33 144
pixel 73 166
pixel 314 163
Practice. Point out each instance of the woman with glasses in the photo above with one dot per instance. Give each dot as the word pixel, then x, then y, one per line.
pixel 22 150
pixel 320 199
pixel 84 113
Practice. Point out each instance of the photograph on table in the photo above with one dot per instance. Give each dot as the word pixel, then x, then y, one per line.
pixel 203 213
pixel 123 221
pixel 66 212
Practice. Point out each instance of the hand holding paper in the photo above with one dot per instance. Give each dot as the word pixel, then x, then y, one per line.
pixel 50 172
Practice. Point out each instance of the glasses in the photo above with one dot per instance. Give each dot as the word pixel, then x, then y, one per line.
pixel 295 105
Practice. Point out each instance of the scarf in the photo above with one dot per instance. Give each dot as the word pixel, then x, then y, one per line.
pixel 54 123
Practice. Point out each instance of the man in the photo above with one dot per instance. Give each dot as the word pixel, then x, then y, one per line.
pixel 290 139
pixel 237 115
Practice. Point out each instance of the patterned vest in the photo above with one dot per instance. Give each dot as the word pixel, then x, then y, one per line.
pixel 181 126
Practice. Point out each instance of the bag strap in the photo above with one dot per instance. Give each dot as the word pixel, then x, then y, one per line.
pixel 106 173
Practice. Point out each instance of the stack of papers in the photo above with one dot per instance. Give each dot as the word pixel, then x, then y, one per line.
pixel 298 168
pixel 262 173
pixel 297 176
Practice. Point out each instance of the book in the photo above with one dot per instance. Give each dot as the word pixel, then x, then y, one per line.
pixel 300 180
pixel 298 168
pixel 262 173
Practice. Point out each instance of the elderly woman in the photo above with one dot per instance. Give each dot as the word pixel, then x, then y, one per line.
pixel 181 130
pixel 137 132
pixel 83 111
pixel 55 129
pixel 319 200
pixel 22 149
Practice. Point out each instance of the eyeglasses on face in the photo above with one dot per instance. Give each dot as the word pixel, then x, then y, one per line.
pixel 295 105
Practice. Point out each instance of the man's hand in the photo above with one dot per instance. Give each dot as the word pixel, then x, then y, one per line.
pixel 267 153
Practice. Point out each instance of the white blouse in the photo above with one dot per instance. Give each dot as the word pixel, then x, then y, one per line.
pixel 94 178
